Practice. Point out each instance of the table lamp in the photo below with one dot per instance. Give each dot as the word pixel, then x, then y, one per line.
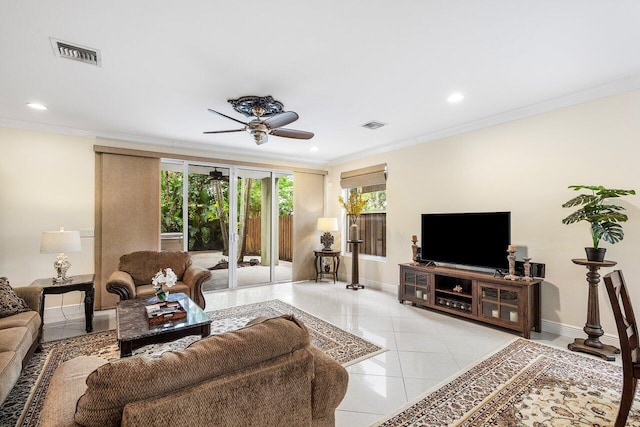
pixel 327 225
pixel 59 242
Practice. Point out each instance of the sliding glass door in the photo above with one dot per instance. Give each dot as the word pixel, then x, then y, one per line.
pixel 254 227
pixel 233 221
pixel 207 220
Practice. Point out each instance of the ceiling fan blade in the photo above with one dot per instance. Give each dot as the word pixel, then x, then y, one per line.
pixel 281 119
pixel 225 131
pixel 224 115
pixel 292 133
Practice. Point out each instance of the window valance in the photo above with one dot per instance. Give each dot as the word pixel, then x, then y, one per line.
pixel 372 178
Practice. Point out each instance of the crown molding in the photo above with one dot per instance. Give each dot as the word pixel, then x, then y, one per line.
pixel 615 87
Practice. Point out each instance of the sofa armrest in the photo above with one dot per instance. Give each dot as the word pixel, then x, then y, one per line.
pixel 329 385
pixel 194 277
pixel 121 283
pixel 32 295
pixel 65 388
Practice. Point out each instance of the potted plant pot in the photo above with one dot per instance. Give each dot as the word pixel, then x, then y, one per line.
pixel 595 254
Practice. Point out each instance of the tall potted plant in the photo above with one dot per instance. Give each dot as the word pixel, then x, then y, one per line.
pixel 354 206
pixel 604 216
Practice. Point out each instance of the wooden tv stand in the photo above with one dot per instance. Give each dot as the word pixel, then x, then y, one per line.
pixel 511 304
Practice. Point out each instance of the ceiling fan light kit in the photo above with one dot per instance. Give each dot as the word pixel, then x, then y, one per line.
pixel 268 119
pixel 259 136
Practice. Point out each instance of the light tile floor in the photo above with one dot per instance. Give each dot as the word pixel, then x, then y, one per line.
pixel 424 347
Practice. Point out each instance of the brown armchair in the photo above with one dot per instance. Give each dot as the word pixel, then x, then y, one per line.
pixel 135 271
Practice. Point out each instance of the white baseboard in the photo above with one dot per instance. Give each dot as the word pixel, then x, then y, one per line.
pixel 380 286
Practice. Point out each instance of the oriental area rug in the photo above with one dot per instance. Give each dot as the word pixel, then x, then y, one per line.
pixel 23 405
pixel 523 384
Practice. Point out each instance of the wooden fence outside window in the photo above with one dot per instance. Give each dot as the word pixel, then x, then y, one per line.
pixel 285 236
pixel 373 233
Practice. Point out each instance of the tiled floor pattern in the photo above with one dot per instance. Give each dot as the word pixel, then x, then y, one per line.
pixel 425 347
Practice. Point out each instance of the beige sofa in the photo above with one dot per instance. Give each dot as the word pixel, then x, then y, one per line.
pixel 265 374
pixel 135 271
pixel 19 337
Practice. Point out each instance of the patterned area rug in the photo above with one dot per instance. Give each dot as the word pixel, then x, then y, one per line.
pixel 523 384
pixel 22 407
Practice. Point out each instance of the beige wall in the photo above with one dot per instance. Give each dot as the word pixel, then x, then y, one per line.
pixel 46 181
pixel 308 202
pixel 524 167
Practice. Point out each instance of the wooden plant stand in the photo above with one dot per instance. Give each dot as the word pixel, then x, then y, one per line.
pixel 592 328
pixel 355 250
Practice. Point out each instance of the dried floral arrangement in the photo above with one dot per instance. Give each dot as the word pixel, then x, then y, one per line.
pixel 354 205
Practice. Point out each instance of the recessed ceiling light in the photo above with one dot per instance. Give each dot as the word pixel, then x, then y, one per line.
pixel 313 148
pixel 36 106
pixel 455 97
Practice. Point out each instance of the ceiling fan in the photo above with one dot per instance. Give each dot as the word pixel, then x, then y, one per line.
pixel 216 175
pixel 268 119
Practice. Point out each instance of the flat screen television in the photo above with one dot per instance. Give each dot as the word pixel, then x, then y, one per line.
pixel 477 239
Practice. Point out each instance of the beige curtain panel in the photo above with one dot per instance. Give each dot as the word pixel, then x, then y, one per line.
pixel 372 178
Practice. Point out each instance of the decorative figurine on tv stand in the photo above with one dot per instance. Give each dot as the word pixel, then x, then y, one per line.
pixel 414 249
pixel 511 249
pixel 527 270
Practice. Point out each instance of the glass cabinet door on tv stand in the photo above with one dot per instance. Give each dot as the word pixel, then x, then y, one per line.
pixel 416 286
pixel 499 303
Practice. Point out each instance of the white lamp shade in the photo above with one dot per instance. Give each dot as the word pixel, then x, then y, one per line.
pixel 55 242
pixel 328 224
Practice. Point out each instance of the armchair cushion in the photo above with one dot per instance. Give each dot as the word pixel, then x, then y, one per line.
pixel 10 302
pixel 143 265
pixel 136 270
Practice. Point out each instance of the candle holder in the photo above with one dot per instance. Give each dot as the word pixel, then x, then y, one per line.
pixel 512 265
pixel 414 249
pixel 527 270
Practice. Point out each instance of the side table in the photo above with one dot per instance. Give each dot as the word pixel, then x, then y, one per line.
pixel 592 328
pixel 355 279
pixel 82 282
pixel 319 255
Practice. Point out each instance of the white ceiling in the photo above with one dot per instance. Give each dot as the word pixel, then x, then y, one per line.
pixel 338 64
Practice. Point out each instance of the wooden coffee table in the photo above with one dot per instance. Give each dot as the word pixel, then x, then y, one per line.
pixel 134 330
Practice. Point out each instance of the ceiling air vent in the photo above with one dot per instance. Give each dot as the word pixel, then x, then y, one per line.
pixel 373 125
pixel 76 52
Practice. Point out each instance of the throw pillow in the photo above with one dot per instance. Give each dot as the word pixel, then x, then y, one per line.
pixel 10 303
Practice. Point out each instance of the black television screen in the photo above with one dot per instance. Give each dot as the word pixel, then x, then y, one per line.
pixel 474 239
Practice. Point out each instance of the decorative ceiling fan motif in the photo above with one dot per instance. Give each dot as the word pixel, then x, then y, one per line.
pixel 268 119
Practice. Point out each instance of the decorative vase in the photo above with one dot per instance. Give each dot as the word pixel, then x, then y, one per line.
pixel 161 293
pixel 594 254
pixel 353 232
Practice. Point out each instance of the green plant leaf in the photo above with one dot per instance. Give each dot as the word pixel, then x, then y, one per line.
pixel 605 218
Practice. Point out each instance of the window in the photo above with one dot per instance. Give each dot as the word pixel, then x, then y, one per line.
pixel 372 223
